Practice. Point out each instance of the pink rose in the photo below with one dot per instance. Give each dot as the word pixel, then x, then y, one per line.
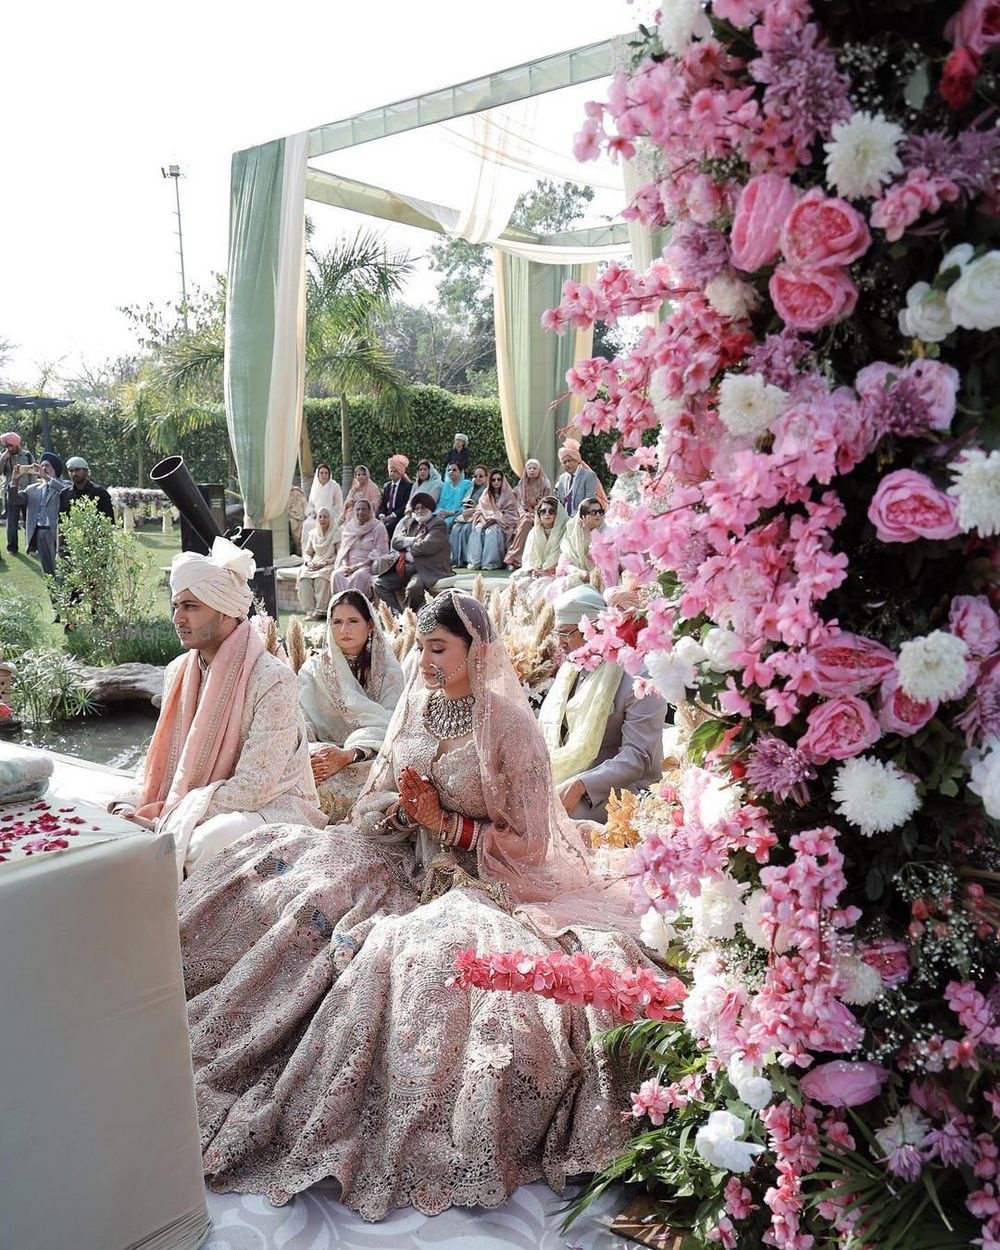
pixel 973 620
pixel 976 25
pixel 740 12
pixel 821 231
pixel 849 664
pixel 838 729
pixel 908 506
pixel 890 958
pixel 898 713
pixel 842 1083
pixel 808 299
pixel 764 203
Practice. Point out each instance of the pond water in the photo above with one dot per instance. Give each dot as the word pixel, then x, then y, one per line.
pixel 117 737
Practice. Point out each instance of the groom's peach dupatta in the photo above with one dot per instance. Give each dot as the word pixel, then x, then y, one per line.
pixel 196 740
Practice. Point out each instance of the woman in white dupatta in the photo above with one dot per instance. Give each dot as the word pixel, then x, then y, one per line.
pixel 325 492
pixel 541 552
pixel 576 565
pixel 319 556
pixel 347 694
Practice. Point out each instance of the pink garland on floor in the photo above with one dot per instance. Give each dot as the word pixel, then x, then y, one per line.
pixel 575 979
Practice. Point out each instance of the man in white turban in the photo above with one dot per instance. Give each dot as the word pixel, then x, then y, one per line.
pixel 230 751
pixel 600 735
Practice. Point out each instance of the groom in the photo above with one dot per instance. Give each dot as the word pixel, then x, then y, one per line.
pixel 229 752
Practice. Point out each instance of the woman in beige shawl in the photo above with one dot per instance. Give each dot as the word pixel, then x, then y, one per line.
pixel 493 523
pixel 347 694
pixel 319 554
pixel 529 490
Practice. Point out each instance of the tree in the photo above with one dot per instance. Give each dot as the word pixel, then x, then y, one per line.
pixel 429 345
pixel 465 292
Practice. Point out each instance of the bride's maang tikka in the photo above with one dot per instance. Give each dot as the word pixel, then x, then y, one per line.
pixel 427 618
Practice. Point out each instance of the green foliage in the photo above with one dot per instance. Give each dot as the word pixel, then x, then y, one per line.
pixel 100 589
pixel 48 686
pixel 436 416
pixel 20 623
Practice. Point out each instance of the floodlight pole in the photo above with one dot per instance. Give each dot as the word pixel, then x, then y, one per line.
pixel 174 171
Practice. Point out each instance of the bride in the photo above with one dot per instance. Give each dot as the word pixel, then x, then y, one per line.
pixel 327 1039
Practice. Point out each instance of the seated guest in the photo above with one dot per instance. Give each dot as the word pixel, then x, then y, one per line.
pixel 421 539
pixel 84 488
pixel 297 507
pixel 453 495
pixel 575 562
pixel 362 487
pixel 229 752
pixel 325 492
pixel 362 538
pixel 347 694
pixel 461 527
pixel 599 734
pixel 459 453
pixel 395 493
pixel 578 481
pixel 529 490
pixel 45 499
pixel 428 480
pixel 541 553
pixel 493 523
pixel 319 556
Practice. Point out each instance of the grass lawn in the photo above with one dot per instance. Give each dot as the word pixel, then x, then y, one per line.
pixel 24 573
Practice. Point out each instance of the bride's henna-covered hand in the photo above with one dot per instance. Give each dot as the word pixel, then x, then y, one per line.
pixel 419 799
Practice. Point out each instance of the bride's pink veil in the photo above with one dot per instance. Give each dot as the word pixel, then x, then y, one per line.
pixel 530 844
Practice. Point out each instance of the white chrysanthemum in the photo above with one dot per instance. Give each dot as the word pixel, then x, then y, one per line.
pixel 860 984
pixel 731 297
pixel 977 489
pixel 680 23
pixel 985 776
pixel 708 797
pixel 926 315
pixel 755 930
pixel 719 908
pixel 861 156
pixel 907 1128
pixel 656 930
pixel 672 672
pixel 932 667
pixel 748 405
pixel 720 646
pixel 875 797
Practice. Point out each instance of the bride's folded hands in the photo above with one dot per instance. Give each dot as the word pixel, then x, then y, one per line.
pixel 419 799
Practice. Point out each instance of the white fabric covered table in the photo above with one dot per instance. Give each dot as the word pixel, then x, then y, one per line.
pixel 98 1131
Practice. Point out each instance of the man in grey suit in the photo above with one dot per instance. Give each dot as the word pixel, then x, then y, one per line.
pixel 45 502
pixel 423 551
pixel 630 754
pixel 577 482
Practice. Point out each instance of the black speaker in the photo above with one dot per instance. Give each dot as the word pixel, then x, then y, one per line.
pixel 260 544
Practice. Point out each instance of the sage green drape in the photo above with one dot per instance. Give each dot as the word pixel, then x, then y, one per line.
pixel 532 363
pixel 265 321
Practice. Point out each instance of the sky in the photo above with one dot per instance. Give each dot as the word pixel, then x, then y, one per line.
pixel 98 97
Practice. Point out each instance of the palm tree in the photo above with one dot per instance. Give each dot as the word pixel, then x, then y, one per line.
pixel 347 288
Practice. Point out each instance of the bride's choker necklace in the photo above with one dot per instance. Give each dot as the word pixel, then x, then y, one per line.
pixel 448 718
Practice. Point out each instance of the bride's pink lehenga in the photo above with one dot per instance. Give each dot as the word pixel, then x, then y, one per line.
pixel 326 1040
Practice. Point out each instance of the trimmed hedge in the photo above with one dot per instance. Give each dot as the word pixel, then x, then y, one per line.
pixel 436 416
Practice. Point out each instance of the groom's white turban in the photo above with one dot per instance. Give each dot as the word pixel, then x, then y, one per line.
pixel 218 580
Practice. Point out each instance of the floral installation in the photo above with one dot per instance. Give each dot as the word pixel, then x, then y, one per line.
pixel 813 417
pixel 139 497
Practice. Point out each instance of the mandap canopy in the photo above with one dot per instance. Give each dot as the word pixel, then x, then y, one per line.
pixel 494 120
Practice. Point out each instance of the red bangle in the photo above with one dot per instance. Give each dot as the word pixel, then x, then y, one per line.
pixel 467 834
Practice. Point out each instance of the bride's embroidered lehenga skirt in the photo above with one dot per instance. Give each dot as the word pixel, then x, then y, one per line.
pixel 327 1042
